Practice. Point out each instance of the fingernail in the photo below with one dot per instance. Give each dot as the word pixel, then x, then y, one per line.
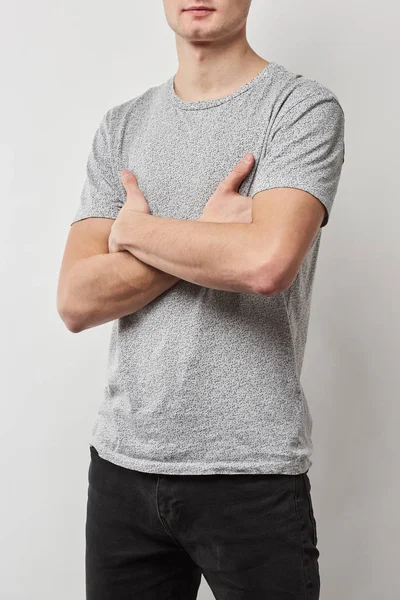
pixel 248 157
pixel 124 172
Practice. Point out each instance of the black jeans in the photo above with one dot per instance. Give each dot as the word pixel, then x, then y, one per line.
pixel 151 536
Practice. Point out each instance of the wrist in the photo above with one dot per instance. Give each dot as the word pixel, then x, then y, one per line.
pixel 125 233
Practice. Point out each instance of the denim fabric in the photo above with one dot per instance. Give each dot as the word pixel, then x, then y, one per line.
pixel 151 536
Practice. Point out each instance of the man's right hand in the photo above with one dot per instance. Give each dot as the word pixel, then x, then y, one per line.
pixel 226 205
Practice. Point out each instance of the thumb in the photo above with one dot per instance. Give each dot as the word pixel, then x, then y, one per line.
pixel 239 172
pixel 134 196
pixel 129 181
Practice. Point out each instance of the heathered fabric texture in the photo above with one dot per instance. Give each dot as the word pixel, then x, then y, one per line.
pixel 204 381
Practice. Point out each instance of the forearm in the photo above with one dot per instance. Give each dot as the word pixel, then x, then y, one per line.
pixel 214 255
pixel 105 287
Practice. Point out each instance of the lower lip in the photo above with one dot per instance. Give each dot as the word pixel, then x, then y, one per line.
pixel 199 13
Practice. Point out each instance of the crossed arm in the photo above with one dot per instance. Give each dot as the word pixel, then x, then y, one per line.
pixel 222 256
pixel 96 286
pixel 261 257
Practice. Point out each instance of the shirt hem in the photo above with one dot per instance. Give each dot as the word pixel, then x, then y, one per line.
pixel 288 467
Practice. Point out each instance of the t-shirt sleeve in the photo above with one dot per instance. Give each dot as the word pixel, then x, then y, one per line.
pixel 305 150
pixel 102 194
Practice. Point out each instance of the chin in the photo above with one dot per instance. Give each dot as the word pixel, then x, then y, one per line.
pixel 198 33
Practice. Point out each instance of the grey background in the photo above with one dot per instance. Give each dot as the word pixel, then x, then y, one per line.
pixel 62 60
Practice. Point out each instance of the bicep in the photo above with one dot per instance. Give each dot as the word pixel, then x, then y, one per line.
pixel 295 183
pixel 103 194
pixel 286 221
pixel 102 197
pixel 86 237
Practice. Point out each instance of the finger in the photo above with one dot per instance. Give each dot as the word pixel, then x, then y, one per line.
pixel 238 173
pixel 131 186
pixel 129 181
pixel 134 196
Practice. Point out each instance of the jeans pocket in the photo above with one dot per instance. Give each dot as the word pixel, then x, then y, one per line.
pixel 307 487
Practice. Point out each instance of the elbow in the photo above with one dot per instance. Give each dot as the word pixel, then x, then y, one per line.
pixel 74 326
pixel 68 312
pixel 71 320
pixel 271 278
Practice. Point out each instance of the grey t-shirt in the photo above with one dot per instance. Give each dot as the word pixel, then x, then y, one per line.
pixel 200 380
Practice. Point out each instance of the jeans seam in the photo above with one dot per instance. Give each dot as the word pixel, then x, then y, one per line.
pixel 163 522
pixel 310 510
pixel 306 581
pixel 176 592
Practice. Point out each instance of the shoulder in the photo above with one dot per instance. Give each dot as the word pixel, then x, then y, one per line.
pixel 296 90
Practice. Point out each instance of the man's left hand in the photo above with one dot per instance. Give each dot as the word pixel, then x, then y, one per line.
pixel 135 202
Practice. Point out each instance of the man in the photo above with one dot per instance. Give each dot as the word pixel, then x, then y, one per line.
pixel 202 444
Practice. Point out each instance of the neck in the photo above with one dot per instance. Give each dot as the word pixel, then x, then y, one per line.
pixel 209 70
